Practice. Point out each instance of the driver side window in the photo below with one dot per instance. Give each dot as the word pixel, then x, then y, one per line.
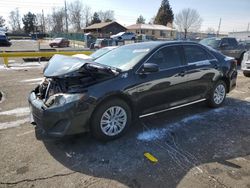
pixel 167 57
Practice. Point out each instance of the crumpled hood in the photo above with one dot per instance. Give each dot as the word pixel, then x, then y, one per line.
pixel 60 65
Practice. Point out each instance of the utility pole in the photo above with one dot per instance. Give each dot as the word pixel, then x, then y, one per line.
pixel 218 31
pixel 43 22
pixel 66 17
pixel 248 27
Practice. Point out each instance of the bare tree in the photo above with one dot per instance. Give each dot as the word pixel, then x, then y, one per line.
pixel 15 21
pixel 106 16
pixel 152 20
pixel 87 15
pixel 48 23
pixel 41 22
pixel 210 30
pixel 2 22
pixel 57 20
pixel 188 20
pixel 75 14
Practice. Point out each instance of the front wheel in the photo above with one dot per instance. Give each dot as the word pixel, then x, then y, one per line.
pixel 217 95
pixel 246 74
pixel 110 120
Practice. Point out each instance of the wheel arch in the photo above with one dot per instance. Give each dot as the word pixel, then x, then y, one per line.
pixel 120 96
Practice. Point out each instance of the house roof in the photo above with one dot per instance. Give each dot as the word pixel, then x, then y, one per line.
pixel 150 27
pixel 100 25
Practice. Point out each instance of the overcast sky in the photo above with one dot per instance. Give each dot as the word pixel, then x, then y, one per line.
pixel 235 14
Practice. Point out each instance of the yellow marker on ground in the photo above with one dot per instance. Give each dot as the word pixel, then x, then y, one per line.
pixel 151 157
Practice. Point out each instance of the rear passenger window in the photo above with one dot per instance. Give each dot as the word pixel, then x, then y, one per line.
pixel 195 54
pixel 167 57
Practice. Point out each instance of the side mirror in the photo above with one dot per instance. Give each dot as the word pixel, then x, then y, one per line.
pixel 223 45
pixel 150 68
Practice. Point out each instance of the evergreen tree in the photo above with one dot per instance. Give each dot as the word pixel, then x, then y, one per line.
pixel 140 20
pixel 29 22
pixel 165 14
pixel 95 18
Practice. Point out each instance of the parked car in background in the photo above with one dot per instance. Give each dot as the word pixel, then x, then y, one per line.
pixel 227 45
pixel 60 42
pixel 103 42
pixel 124 36
pixel 97 53
pixel 245 65
pixel 136 80
pixel 4 41
pixel 245 43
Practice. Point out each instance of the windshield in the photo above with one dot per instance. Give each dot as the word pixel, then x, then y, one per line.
pixel 100 52
pixel 213 42
pixel 124 57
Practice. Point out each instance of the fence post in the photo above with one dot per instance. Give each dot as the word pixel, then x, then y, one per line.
pixel 5 60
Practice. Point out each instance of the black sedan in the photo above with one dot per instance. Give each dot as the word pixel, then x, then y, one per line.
pixel 135 80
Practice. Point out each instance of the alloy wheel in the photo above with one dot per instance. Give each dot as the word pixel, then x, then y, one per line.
pixel 219 94
pixel 113 120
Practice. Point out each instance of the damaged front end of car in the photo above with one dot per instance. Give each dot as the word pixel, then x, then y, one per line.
pixel 60 104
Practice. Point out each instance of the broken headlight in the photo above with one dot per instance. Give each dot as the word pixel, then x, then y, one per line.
pixel 60 99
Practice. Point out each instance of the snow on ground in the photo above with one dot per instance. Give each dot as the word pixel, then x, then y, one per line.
pixel 22 66
pixel 18 112
pixel 11 124
pixel 247 99
pixel 157 134
pixel 32 80
pixel 191 118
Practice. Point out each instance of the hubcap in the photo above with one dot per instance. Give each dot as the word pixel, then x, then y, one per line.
pixel 113 120
pixel 219 94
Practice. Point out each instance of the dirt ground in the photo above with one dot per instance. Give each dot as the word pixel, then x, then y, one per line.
pixel 195 146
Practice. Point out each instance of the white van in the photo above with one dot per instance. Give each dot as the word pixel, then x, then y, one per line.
pixel 245 64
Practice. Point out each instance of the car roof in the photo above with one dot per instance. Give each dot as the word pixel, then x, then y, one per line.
pixel 155 44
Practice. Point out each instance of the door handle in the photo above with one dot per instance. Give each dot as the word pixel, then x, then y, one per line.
pixel 182 73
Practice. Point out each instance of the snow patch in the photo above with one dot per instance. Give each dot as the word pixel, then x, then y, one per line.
pixel 247 99
pixel 13 124
pixel 32 80
pixel 18 112
pixel 218 110
pixel 191 118
pixel 151 135
pixel 23 66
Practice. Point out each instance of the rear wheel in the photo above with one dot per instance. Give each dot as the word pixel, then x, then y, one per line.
pixel 246 74
pixel 110 120
pixel 217 95
pixel 240 59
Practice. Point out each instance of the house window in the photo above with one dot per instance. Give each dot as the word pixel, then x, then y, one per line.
pixel 163 34
pixel 153 32
pixel 142 31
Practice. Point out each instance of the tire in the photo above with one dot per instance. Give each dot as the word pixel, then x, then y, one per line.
pixel 240 59
pixel 103 127
pixel 217 95
pixel 246 74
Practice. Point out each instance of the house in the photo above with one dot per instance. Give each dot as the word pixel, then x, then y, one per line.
pixel 157 31
pixel 105 29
